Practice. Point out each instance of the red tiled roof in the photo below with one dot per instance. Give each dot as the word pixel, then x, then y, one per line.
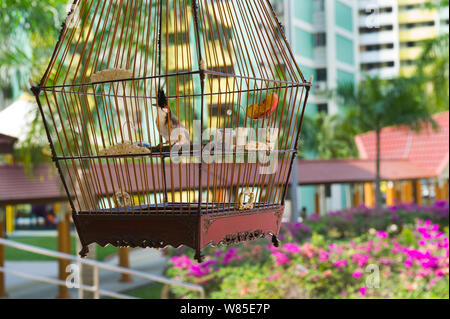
pixel 45 186
pixel 16 187
pixel 316 172
pixel 428 149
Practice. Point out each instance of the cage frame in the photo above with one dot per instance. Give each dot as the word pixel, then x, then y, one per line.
pixel 197 230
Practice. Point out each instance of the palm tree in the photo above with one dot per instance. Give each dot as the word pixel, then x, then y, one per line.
pixel 378 103
pixel 328 136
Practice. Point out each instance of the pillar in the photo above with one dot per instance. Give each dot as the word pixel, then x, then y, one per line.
pixel 369 195
pixel 63 247
pixel 357 195
pixel 390 194
pixel 124 261
pixel 418 193
pixel 3 293
pixel 407 192
pixel 9 220
pixel 438 191
pixel 88 274
pixel 317 201
pixel 445 190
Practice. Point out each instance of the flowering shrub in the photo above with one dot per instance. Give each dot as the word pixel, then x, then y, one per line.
pixel 359 220
pixel 410 264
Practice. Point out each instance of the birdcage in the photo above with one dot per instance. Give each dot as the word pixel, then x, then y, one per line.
pixel 173 122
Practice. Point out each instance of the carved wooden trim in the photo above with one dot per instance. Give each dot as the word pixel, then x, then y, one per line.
pixel 242 237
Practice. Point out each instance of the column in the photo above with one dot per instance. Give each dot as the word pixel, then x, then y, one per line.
pixel 63 246
pixel 418 193
pixel 317 201
pixel 438 191
pixel 124 261
pixel 390 194
pixel 2 254
pixel 88 274
pixel 369 195
pixel 357 195
pixel 9 220
pixel 407 192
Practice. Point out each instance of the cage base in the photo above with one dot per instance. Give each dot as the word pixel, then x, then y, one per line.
pixel 160 231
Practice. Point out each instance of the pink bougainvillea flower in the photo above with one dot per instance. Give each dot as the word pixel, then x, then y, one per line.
pixel 280 258
pixel 360 259
pixel 357 274
pixel 408 263
pixel 230 256
pixel 340 264
pixel 382 235
pixel 181 262
pixel 323 255
pixel 363 291
pixel 327 273
pixel 291 248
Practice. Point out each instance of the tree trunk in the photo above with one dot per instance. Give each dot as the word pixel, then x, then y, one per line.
pixel 378 196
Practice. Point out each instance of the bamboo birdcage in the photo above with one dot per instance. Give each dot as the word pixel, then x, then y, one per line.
pixel 220 64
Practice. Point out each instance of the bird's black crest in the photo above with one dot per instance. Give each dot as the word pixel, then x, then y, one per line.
pixel 162 99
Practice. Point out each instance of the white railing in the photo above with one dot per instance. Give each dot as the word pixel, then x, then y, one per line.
pixel 96 266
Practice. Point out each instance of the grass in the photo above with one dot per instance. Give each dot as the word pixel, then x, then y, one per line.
pixel 152 291
pixel 50 243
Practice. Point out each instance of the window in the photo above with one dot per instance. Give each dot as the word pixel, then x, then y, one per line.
pixel 320 40
pixel 328 191
pixel 321 74
pixel 322 108
pixel 344 16
pixel 319 5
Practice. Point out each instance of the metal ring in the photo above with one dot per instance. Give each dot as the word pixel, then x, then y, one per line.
pixel 251 202
pixel 122 199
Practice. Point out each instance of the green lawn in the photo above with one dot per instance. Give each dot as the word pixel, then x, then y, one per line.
pixel 48 243
pixel 148 292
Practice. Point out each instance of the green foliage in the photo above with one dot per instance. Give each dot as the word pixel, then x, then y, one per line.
pixel 404 265
pixel 29 29
pixel 318 240
pixel 406 237
pixel 329 136
pixel 378 103
pixel 433 66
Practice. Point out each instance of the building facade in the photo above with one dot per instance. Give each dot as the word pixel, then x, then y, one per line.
pixel 324 35
pixel 392 34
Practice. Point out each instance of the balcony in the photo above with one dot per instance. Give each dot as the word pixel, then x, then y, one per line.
pixel 377 38
pixel 416 16
pixel 384 55
pixel 364 4
pixel 410 2
pixel 410 53
pixel 417 34
pixel 381 19
pixel 407 71
pixel 383 73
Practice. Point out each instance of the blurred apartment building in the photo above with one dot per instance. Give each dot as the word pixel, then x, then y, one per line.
pixel 392 34
pixel 339 41
pixel 324 38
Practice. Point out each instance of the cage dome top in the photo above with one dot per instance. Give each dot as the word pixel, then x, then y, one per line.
pixel 108 40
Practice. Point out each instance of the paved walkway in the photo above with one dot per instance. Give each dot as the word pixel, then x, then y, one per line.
pixel 145 260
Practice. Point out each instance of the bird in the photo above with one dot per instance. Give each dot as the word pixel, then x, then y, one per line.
pixel 167 122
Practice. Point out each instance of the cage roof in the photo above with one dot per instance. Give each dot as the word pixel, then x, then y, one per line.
pixel 142 39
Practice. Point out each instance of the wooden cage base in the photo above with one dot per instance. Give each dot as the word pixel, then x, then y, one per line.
pixel 194 231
